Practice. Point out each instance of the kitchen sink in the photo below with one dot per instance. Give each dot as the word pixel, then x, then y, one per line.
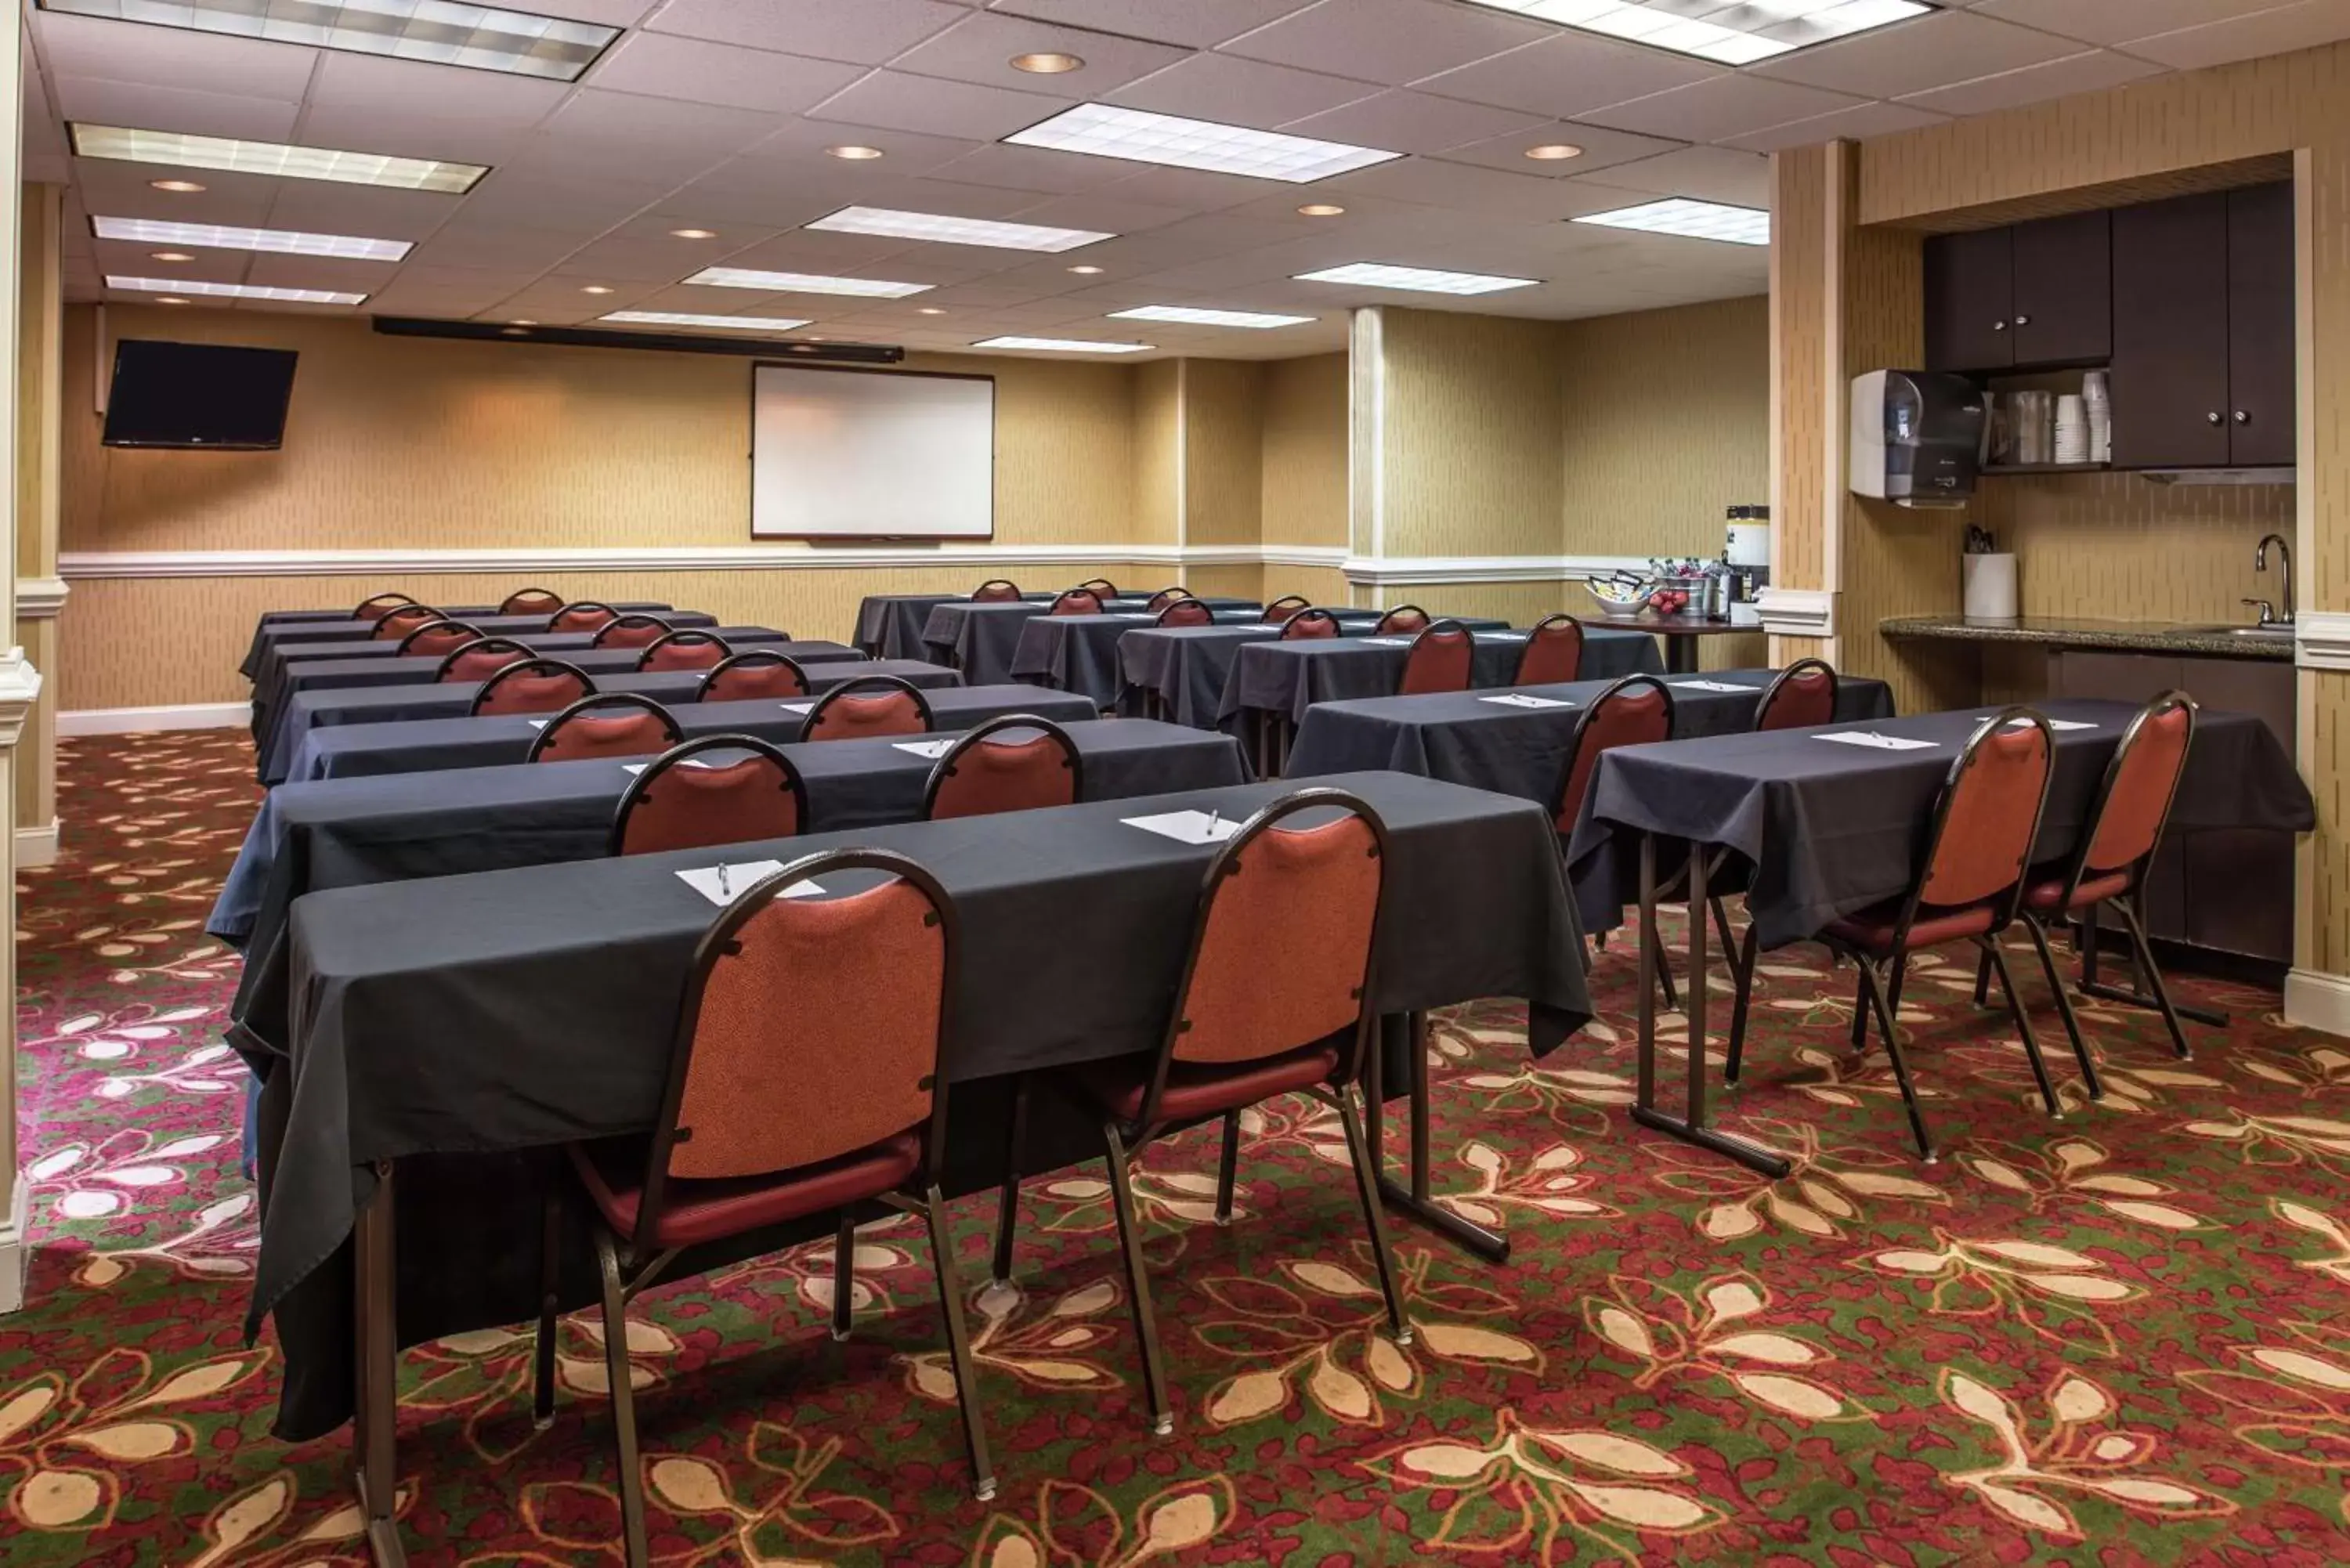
pixel 2265 633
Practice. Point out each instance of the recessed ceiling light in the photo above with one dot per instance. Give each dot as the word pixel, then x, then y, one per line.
pixel 1694 220
pixel 1198 318
pixel 1729 32
pixel 1552 152
pixel 898 225
pixel 522 321
pixel 168 299
pixel 234 290
pixel 1144 137
pixel 481 36
pixel 1320 210
pixel 127 146
pixel 690 318
pixel 1063 345
pixel 1419 279
pixel 1085 271
pixel 854 154
pixel 806 283
pixel 223 237
pixel 595 288
pixel 930 310
pixel 693 234
pixel 1045 64
pixel 178 187
pixel 169 256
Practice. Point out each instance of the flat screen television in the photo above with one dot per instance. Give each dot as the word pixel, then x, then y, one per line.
pixel 210 397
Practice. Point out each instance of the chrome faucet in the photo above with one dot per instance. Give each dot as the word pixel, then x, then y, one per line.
pixel 2284 562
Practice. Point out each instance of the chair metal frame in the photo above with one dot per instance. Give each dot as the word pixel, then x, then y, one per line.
pixel 632 621
pixel 1071 758
pixel 1188 607
pixel 1291 603
pixel 866 683
pixel 1534 640
pixel 1386 628
pixel 390 602
pixel 1784 680
pixel 439 627
pixel 1168 595
pixel 1100 587
pixel 1557 803
pixel 535 665
pixel 596 699
pixel 745 660
pixel 982 595
pixel 416 614
pixel 524 601
pixel 1310 616
pixel 687 636
pixel 481 645
pixel 574 607
pixel 677 754
pixel 1073 597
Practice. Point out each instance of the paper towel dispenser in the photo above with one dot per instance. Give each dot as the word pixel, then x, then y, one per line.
pixel 1916 436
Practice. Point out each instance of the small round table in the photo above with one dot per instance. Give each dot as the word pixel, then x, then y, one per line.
pixel 1679 633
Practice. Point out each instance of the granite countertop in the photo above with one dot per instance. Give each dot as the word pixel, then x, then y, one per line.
pixel 2129 636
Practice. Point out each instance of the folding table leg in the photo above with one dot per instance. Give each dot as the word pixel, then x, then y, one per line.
pixel 1414 1201
pixel 375 1468
pixel 2143 973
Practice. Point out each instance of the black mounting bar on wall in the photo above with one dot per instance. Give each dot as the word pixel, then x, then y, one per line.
pixel 667 342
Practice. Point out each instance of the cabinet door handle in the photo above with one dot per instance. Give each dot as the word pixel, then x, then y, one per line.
pixel 2216 419
pixel 2243 418
pixel 1999 326
pixel 2023 321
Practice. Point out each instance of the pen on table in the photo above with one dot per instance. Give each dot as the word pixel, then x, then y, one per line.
pixel 1212 822
pixel 723 891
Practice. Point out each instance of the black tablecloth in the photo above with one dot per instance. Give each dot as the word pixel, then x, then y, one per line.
pixel 1288 677
pixel 1188 667
pixel 1079 652
pixel 889 626
pixel 1830 828
pixel 979 639
pixel 518 1010
pixel 269 637
pixel 1469 738
pixel 426 745
pixel 389 704
pixel 284 620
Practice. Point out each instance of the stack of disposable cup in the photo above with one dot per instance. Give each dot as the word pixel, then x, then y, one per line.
pixel 2097 398
pixel 2072 444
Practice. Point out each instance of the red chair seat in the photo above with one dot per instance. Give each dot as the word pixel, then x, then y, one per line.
pixel 698 1212
pixel 2048 897
pixel 1871 931
pixel 1205 1089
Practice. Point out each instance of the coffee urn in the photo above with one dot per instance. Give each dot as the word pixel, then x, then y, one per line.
pixel 1747 556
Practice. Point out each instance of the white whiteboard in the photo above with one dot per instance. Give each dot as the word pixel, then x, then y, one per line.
pixel 851 454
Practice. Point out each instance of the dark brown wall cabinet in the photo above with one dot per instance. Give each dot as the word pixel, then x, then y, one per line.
pixel 2203 339
pixel 2038 294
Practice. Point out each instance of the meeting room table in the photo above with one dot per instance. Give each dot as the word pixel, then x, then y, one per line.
pixel 1179 672
pixel 432 745
pixel 276 623
pixel 1682 635
pixel 315 710
pixel 889 626
pixel 979 639
pixel 322 641
pixel 1080 653
pixel 429 1045
pixel 1819 827
pixel 1274 683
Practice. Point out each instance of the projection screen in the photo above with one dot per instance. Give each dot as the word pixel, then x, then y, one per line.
pixel 872 455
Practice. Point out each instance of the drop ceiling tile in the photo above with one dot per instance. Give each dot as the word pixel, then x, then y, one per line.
pixel 1567 74
pixel 1100 212
pixel 1240 92
pixel 862 32
pixel 1196 189
pixel 1858 123
pixel 336 273
pixel 2090 72
pixel 370 104
pixel 583 204
pixel 1405 121
pixel 800 144
pixel 1918 55
pixel 981 46
pixel 640 259
pixel 323 207
pixel 1705 173
pixel 122 258
pixel 1727 106
pixel 894 101
pixel 505 248
pixel 692 69
pixel 171 57
pixel 1459 187
pixel 121 190
pixel 1038 168
pixel 1196 24
pixel 2276 32
pixel 606 13
pixel 2117 21
pixel 1602 148
pixel 1390 41
pixel 626 136
pixel 100 102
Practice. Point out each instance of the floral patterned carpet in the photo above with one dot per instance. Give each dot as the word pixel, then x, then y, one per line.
pixel 2123 1337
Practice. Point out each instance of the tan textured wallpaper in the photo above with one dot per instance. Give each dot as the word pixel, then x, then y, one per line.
pixel 2118 545
pixel 1472 435
pixel 1304 497
pixel 1223 450
pixel 1157 449
pixel 1665 423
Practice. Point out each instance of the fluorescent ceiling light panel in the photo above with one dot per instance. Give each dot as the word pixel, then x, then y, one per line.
pixel 1143 138
pixel 478 36
pixel 1728 32
pixel 1198 317
pixel 225 237
pixel 234 290
pixel 1419 279
pixel 688 318
pixel 897 226
pixel 1695 220
pixel 177 151
pixel 1063 345
pixel 806 283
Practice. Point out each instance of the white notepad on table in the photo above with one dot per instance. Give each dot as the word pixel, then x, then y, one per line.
pixel 688 762
pixel 796 707
pixel 1186 826
pixel 540 723
pixel 1500 636
pixel 931 749
pixel 1386 642
pixel 1882 742
pixel 740 877
pixel 1524 699
pixel 2053 723
pixel 1709 686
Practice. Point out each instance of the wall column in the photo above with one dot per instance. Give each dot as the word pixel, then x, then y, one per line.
pixel 40 592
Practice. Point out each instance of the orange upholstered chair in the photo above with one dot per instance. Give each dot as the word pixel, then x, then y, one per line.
pixel 1309 624
pixel 681 802
pixel 1276 998
pixel 1165 596
pixel 585 615
pixel 1401 619
pixel 437 639
pixel 1077 601
pixel 1439 661
pixel 379 607
pixel 481 658
pixel 995 591
pixel 807 1077
pixel 397 623
pixel 1553 654
pixel 688 650
pixel 1634 710
pixel 531 601
pixel 608 724
pixel 752 673
pixel 1100 587
pixel 532 686
pixel 1186 611
pixel 1282 609
pixel 1803 695
pixel 867 706
pixel 1014 761
pixel 631 631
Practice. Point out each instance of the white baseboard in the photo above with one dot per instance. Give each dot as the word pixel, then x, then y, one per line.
pixel 15 1246
pixel 37 846
pixel 138 720
pixel 2315 1000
